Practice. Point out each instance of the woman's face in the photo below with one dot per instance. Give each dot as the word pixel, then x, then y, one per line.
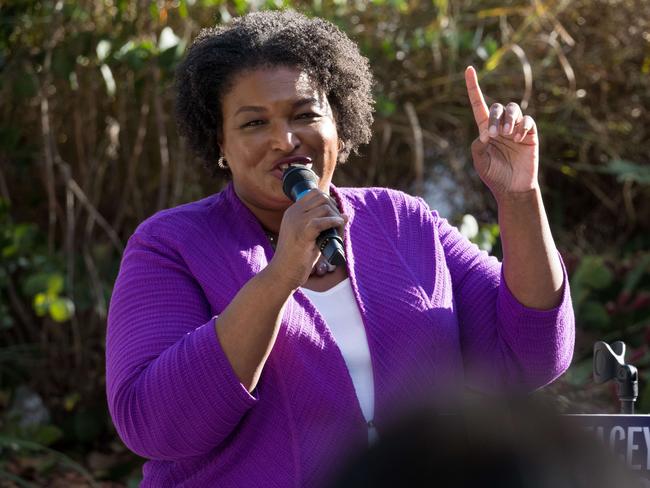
pixel 271 114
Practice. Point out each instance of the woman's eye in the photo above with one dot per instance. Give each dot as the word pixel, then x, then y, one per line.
pixel 308 115
pixel 253 123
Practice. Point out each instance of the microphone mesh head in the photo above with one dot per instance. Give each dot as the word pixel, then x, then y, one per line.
pixel 298 174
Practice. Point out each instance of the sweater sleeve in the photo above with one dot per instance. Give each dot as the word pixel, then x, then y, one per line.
pixel 504 343
pixel 172 392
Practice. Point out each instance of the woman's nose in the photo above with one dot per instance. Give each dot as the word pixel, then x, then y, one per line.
pixel 284 138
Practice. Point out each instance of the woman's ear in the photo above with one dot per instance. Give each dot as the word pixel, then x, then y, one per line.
pixel 344 152
pixel 220 141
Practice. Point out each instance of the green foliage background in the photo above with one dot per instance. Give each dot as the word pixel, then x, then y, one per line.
pixel 88 149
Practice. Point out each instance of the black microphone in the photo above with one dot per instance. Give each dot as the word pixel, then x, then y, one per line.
pixel 296 182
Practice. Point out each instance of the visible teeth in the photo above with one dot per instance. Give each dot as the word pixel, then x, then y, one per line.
pixel 284 166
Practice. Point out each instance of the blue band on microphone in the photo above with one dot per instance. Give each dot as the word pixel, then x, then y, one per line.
pixel 302 194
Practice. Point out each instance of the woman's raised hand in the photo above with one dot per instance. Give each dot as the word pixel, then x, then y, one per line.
pixel 506 153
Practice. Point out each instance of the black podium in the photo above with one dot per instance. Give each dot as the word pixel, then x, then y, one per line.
pixel 627 435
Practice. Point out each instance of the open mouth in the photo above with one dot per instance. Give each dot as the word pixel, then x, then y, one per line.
pixel 285 163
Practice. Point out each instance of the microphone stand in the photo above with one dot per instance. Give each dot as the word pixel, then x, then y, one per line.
pixel 609 363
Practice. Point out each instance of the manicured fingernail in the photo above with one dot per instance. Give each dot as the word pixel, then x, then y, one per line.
pixel 493 130
pixel 517 137
pixel 506 128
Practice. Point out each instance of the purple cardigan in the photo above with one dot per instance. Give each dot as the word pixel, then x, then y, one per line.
pixel 433 306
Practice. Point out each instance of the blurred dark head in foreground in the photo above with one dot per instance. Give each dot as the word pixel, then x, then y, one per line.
pixel 510 446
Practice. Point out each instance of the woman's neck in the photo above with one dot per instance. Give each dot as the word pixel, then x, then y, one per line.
pixel 269 219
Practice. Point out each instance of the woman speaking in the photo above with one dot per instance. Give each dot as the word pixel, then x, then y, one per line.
pixel 236 355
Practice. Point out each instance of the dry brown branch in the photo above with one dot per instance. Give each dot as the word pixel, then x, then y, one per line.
pixel 162 142
pixel 79 140
pixel 89 182
pixel 628 200
pixel 557 26
pixel 418 147
pixel 100 301
pixel 99 165
pixel 601 195
pixel 564 62
pixel 528 75
pixel 69 258
pixel 179 171
pixel 436 139
pixel 373 162
pixel 4 189
pixel 21 311
pixel 133 163
pixel 386 135
pixel 106 157
pixel 94 213
pixel 46 133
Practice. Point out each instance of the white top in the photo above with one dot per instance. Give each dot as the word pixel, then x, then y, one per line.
pixel 341 313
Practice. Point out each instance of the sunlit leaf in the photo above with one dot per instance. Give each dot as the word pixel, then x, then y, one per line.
pixel 103 49
pixel 385 106
pixel 241 6
pixel 167 39
pixel 490 46
pixel 54 284
pixel 468 226
pixel 593 273
pixel 568 170
pixel 40 304
pixel 107 74
pixel 494 60
pixel 388 48
pixel 223 11
pixel 502 11
pixel 645 68
pixel 629 171
pixel 594 316
pixel 61 309
pixel 9 251
pixel 46 435
pixel 71 400
pixel 484 240
pixel 36 283
pixel 182 9
pixel 136 54
pixel 153 11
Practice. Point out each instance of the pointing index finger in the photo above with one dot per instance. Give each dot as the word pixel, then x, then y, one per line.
pixel 480 109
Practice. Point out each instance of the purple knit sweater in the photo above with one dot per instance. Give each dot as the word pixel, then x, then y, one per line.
pixel 433 305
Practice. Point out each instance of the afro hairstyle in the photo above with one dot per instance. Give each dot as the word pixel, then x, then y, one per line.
pixel 269 39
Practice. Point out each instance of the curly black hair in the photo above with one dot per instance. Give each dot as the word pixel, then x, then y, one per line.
pixel 267 39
